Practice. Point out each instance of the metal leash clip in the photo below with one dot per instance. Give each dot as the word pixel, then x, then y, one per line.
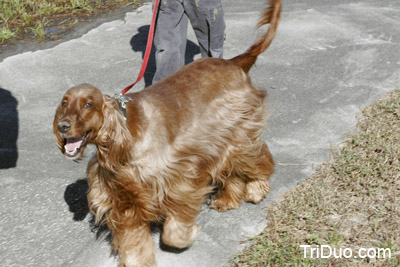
pixel 122 100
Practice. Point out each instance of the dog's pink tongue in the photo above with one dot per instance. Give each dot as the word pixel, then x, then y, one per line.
pixel 73 144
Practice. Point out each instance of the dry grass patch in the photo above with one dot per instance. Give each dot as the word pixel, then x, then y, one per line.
pixel 353 201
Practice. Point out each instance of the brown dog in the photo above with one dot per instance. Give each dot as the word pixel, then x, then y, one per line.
pixel 196 130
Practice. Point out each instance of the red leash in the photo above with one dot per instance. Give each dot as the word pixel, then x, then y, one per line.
pixel 148 49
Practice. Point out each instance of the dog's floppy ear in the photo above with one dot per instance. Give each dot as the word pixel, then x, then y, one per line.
pixel 57 137
pixel 114 141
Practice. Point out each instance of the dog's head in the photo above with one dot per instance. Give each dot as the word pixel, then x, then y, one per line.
pixel 78 119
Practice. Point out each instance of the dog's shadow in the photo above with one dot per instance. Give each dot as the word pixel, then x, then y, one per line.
pixel 138 43
pixel 75 196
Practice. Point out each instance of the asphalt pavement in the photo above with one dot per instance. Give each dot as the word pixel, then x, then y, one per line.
pixel 328 61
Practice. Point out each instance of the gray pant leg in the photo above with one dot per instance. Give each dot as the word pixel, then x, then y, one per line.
pixel 207 19
pixel 170 38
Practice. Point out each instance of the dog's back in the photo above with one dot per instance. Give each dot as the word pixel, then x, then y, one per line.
pixel 206 109
pixel 190 92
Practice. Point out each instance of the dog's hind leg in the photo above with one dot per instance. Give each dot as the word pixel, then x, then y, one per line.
pixel 230 194
pixel 257 165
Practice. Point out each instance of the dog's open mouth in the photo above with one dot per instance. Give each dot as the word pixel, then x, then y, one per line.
pixel 73 146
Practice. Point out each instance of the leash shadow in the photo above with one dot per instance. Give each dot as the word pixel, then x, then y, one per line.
pixel 138 43
pixel 9 125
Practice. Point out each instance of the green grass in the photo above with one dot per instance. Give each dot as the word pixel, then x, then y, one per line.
pixel 352 201
pixel 21 18
pixel 6 33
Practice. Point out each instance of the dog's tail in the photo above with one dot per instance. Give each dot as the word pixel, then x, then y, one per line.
pixel 271 15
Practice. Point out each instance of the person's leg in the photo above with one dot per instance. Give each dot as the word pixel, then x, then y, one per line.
pixel 207 19
pixel 170 38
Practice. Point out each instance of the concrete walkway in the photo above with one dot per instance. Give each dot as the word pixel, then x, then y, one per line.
pixel 329 60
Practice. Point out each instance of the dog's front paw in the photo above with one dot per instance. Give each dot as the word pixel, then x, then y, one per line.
pixel 178 234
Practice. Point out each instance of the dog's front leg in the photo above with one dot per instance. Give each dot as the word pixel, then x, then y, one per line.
pixel 134 246
pixel 179 234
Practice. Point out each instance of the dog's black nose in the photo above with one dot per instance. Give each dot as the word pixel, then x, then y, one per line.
pixel 63 126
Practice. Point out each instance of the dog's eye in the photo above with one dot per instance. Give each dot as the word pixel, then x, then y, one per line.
pixel 64 104
pixel 87 105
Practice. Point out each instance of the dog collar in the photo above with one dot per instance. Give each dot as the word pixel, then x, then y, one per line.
pixel 122 100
